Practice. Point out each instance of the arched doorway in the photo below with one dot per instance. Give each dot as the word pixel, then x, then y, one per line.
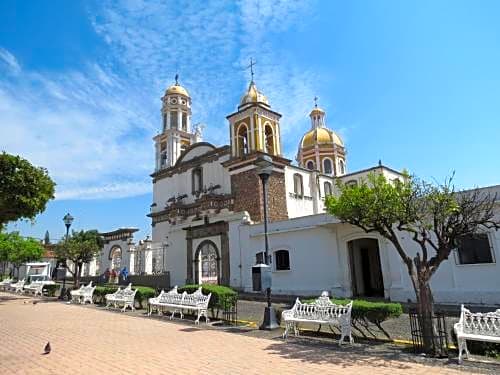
pixel 208 263
pixel 366 270
pixel 115 256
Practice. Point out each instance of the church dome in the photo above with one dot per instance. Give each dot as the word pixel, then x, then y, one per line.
pixel 253 96
pixel 176 89
pixel 320 136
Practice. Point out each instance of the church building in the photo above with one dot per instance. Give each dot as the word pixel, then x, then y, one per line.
pixel 207 214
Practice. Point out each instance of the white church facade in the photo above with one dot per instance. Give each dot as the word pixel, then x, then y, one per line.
pixel 207 215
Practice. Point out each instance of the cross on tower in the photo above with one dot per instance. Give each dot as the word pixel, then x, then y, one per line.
pixel 316 101
pixel 252 63
pixel 177 79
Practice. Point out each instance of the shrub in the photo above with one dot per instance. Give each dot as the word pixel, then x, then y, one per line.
pixel 101 291
pixel 50 289
pixel 223 297
pixel 143 294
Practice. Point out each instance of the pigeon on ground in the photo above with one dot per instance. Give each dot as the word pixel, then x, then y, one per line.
pixel 47 349
pixel 35 302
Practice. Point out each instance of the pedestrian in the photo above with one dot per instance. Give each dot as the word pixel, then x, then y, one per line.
pixel 124 273
pixel 113 276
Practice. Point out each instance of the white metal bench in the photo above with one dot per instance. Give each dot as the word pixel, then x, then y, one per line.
pixel 322 311
pixel 476 327
pixel 123 297
pixel 84 294
pixel 153 303
pixel 178 302
pixel 36 287
pixel 18 287
pixel 5 284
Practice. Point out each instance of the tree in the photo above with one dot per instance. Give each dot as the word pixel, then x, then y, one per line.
pixel 24 189
pixel 435 215
pixel 19 250
pixel 81 247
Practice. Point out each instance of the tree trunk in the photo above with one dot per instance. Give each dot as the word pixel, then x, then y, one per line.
pixel 425 309
pixel 77 274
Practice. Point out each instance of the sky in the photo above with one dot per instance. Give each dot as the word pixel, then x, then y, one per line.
pixel 415 84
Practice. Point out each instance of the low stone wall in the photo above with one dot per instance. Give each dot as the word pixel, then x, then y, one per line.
pixel 161 281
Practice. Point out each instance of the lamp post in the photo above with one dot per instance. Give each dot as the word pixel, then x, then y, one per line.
pixel 68 220
pixel 264 170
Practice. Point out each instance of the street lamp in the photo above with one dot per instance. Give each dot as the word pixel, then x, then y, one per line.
pixel 264 170
pixel 67 219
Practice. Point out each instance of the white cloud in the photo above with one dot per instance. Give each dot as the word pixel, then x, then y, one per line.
pixel 92 128
pixel 7 58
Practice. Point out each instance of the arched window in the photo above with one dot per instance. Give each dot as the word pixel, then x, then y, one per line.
pixel 242 140
pixel 164 122
pixel 282 260
pixel 184 121
pixel 174 120
pixel 298 186
pixel 310 165
pixel 269 141
pixel 208 260
pixel 327 187
pixel 341 167
pixel 351 183
pixel 196 180
pixel 327 166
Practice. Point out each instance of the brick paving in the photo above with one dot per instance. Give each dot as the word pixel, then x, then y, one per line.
pixel 87 340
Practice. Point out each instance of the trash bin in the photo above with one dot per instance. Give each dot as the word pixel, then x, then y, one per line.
pixel 261 277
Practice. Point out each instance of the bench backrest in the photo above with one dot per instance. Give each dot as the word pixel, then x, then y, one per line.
pixel 321 309
pixel 197 299
pixel 486 324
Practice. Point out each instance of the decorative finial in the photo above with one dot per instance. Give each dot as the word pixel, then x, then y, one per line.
pixel 316 102
pixel 380 162
pixel 177 79
pixel 252 63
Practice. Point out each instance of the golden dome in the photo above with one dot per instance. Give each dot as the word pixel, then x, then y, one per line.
pixel 317 111
pixel 176 90
pixel 320 136
pixel 253 96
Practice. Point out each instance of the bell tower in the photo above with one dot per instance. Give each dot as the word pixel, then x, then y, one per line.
pixel 254 127
pixel 177 133
pixel 255 134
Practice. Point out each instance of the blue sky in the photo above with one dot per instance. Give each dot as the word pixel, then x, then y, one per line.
pixel 414 83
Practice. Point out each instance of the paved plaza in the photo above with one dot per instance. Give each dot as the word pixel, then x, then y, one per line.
pixel 87 340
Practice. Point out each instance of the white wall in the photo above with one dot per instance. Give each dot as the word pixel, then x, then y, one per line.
pixel 319 261
pixel 180 183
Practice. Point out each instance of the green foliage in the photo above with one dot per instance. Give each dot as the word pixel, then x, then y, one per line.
pixel 24 189
pixel 223 297
pixel 375 204
pixel 101 291
pixel 50 289
pixel 80 247
pixel 19 250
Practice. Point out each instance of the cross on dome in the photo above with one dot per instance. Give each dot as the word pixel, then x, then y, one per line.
pixel 252 64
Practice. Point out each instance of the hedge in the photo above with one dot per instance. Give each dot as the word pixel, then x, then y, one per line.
pixel 50 289
pixel 223 297
pixel 142 295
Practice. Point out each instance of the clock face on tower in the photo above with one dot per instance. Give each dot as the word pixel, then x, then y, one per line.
pixel 183 102
pixel 173 101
